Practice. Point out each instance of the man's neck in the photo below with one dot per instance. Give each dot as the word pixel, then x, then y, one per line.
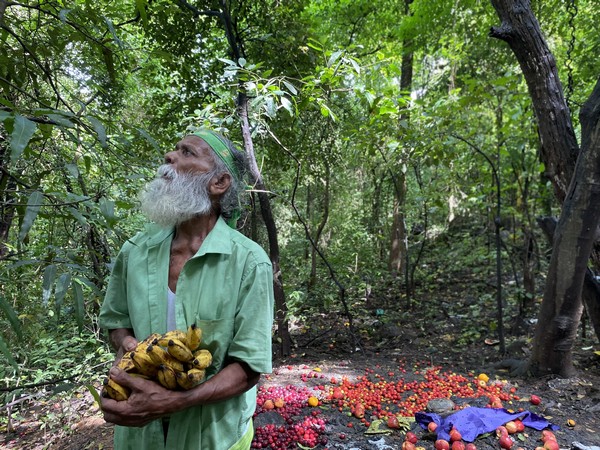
pixel 191 233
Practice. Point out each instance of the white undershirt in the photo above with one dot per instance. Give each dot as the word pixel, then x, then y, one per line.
pixel 171 320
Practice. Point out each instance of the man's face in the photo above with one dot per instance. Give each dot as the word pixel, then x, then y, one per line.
pixel 191 155
pixel 180 190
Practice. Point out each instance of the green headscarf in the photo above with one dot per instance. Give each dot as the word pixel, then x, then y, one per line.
pixel 222 150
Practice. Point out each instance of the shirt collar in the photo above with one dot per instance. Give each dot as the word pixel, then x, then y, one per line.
pixel 218 239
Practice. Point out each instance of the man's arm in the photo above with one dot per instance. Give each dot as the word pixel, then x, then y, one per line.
pixel 149 400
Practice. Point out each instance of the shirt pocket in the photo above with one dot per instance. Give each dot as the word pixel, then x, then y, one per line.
pixel 216 337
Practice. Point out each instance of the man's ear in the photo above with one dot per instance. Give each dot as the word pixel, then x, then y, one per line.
pixel 219 184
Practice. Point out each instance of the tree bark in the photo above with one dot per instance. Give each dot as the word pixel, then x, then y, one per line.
pixel 521 31
pixel 575 176
pixel 312 281
pixel 591 288
pixel 574 237
pixel 398 260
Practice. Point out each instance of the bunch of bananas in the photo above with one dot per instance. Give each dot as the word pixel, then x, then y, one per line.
pixel 172 359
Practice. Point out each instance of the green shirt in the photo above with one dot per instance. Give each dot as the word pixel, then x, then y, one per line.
pixel 227 290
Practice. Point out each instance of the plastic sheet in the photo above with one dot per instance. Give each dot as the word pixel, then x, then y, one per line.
pixel 472 422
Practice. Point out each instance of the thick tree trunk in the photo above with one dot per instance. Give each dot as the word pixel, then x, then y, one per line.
pixel 575 184
pixel 591 287
pixel 521 31
pixel 573 241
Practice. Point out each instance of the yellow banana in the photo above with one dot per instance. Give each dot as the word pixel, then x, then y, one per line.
pixel 126 363
pixel 183 381
pixel 193 337
pixel 167 377
pixel 151 338
pixel 142 346
pixel 202 359
pixel 156 354
pixel 115 391
pixel 163 340
pixel 160 356
pixel 179 350
pixel 196 375
pixel 144 364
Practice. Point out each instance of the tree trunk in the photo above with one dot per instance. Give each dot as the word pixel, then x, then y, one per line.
pixel 324 218
pixel 575 184
pixel 591 288
pixel 398 248
pixel 399 245
pixel 283 333
pixel 573 241
pixel 521 31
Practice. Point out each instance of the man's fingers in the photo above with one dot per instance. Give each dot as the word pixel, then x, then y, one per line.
pixel 122 377
pixel 129 343
pixel 129 381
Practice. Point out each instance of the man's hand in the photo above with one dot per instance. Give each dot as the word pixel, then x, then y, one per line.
pixel 148 401
pixel 123 341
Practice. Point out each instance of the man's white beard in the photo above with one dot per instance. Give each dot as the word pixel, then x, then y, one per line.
pixel 173 198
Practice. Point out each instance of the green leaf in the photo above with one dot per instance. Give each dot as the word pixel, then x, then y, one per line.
pixel 4 115
pixel 48 282
pixel 21 135
pixel 150 140
pixel 99 128
pixel 355 65
pixel 63 14
pixel 7 353
pixel 62 285
pixel 228 61
pixel 111 28
pixel 290 87
pixel 107 207
pixel 334 57
pixel 35 202
pixel 140 5
pixel 60 120
pixel 79 305
pixel 287 105
pixel 73 170
pixel 375 428
pixel 242 62
pixel 94 393
pixel 270 108
pixel 80 217
pixel 12 317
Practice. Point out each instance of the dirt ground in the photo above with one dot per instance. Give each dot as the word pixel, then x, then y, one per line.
pixel 324 355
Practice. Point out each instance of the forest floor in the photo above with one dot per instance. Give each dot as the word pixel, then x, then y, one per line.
pixel 423 352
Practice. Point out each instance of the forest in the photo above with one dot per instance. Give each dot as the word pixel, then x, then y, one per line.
pixel 424 177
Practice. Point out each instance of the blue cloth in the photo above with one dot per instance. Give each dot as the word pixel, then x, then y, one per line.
pixel 472 422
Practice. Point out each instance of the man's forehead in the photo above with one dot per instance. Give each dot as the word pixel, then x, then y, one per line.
pixel 194 141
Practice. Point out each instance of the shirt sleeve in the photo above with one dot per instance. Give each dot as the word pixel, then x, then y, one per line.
pixel 254 319
pixel 114 312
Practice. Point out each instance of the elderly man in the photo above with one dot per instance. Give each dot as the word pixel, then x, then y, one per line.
pixel 191 267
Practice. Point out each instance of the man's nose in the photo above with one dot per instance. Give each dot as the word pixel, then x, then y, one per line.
pixel 170 158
